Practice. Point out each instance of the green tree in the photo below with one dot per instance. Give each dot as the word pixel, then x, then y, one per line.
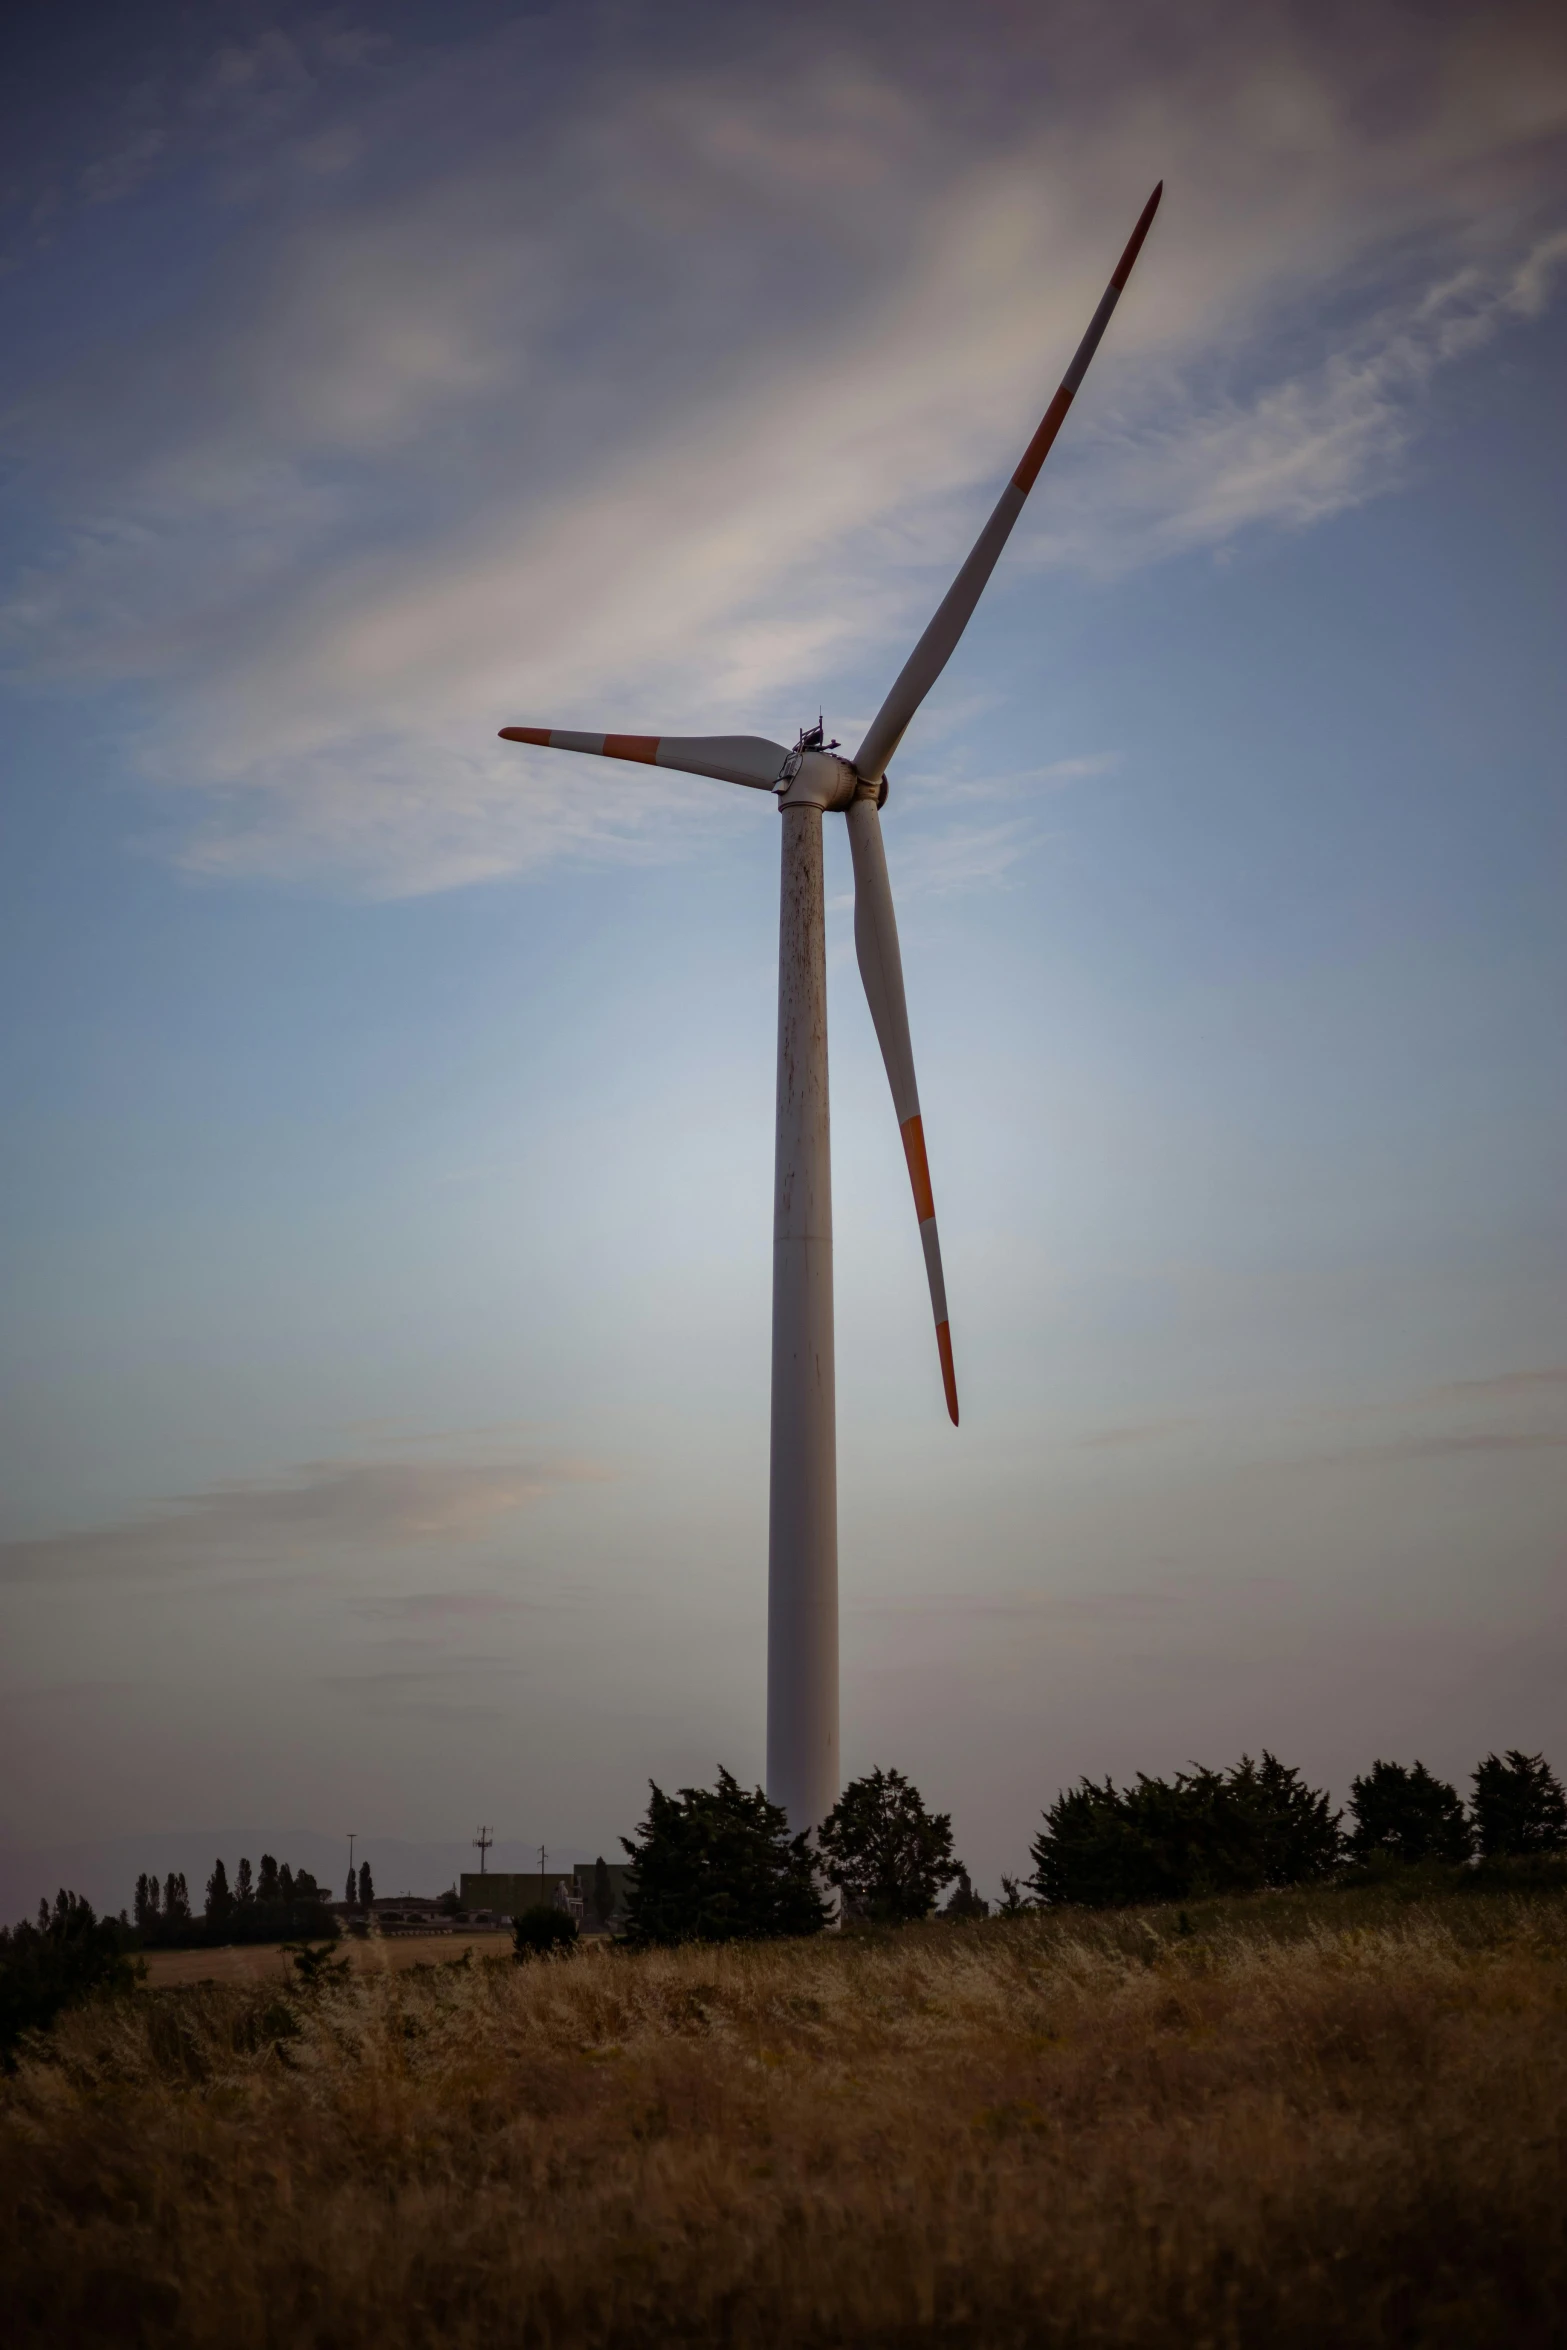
pixel 718 1865
pixel 267 1883
pixel 351 1889
pixel 888 1855
pixel 145 1904
pixel 176 1898
pixel 603 1894
pixel 366 1885
pixel 1519 1807
pixel 1407 1815
pixel 244 1889
pixel 220 1901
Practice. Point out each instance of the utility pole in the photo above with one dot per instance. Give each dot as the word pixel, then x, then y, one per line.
pixel 483 1841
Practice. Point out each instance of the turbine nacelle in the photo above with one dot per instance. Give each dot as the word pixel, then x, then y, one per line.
pixel 815 778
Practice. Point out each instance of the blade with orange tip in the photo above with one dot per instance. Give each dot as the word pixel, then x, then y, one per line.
pixel 731 758
pixel 881 968
pixel 936 647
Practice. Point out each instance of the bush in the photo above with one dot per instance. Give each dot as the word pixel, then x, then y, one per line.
pixel 540 1931
pixel 1406 1815
pixel 1202 1832
pixel 715 1864
pixel 69 1955
pixel 886 1853
pixel 315 1966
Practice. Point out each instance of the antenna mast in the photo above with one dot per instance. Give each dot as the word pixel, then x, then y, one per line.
pixel 482 1842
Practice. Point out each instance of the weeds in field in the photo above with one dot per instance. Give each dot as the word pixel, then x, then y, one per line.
pixel 1301 2120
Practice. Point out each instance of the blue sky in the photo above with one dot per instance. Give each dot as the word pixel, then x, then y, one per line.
pixel 388 1148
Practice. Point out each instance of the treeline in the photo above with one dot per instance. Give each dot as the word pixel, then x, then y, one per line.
pixel 719 1864
pixel 275 1904
pixel 1259 1825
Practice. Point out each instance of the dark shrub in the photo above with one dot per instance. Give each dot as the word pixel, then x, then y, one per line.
pixel 68 1956
pixel 314 1963
pixel 543 1929
pixel 964 1901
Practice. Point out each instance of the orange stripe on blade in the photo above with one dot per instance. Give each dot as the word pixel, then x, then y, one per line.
pixel 632 746
pixel 913 1134
pixel 949 1377
pixel 527 734
pixel 1039 447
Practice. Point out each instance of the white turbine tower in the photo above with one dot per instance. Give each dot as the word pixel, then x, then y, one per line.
pixel 802 1592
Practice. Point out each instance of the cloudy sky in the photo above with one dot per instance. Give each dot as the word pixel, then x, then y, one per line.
pixel 387 1149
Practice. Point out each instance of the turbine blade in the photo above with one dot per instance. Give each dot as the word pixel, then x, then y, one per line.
pixel 935 648
pixel 732 758
pixel 881 968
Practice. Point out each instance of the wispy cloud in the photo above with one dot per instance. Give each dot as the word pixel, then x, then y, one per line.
pixel 961 857
pixel 1041 1605
pixel 319 1508
pixel 962 852
pixel 636 410
pixel 1295 452
pixel 1447 1445
pixel 1504 1386
pixel 1134 1433
pixel 438 1608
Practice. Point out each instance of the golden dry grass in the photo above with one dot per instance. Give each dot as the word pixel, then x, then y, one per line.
pixel 1300 2125
pixel 269 1962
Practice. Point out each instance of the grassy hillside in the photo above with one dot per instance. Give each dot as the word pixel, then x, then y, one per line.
pixel 1338 2118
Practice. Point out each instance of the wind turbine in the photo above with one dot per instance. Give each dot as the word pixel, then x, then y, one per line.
pixel 802 1572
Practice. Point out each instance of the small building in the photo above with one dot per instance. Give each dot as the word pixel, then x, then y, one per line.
pixel 508 1892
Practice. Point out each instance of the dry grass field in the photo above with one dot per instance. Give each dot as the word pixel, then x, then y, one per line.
pixel 267 1962
pixel 1304 2122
